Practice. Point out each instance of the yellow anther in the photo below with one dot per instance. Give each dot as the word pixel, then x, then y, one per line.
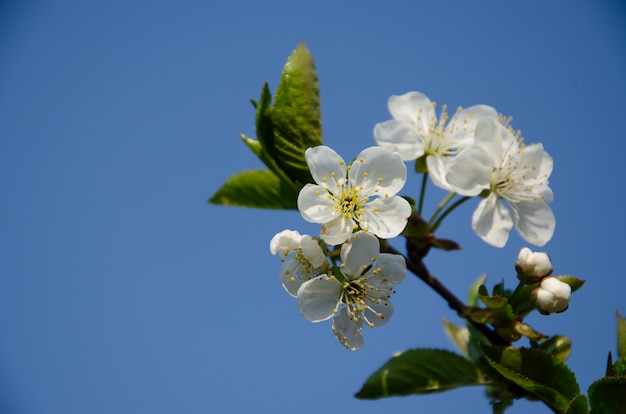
pixel 365 174
pixel 293 279
pixel 371 324
pixel 380 180
pixel 361 159
pixel 335 310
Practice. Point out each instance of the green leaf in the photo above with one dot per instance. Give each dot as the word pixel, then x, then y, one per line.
pixel 578 405
pixel 536 372
pixel 608 396
pixel 621 336
pixel 256 188
pixel 296 114
pixel 473 292
pixel 620 367
pixel 420 371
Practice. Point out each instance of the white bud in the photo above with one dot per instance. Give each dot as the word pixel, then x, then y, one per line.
pixel 552 296
pixel 532 266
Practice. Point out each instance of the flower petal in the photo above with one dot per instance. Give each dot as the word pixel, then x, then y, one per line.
pixel 471 172
pixel 358 253
pixel 327 168
pixel 379 312
pixel 401 137
pixel 378 171
pixel 534 221
pixel 316 205
pixel 288 271
pixel 414 107
pixel 337 231
pixel 391 270
pixel 462 125
pixel 386 217
pixel 286 240
pixel 347 331
pixel 318 298
pixel 312 251
pixel 438 167
pixel 492 222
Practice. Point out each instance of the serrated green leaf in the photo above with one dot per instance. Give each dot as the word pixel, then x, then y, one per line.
pixel 420 371
pixel 296 114
pixel 536 372
pixel 608 396
pixel 621 336
pixel 256 188
pixel 578 405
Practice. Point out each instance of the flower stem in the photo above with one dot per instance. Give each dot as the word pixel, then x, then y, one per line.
pixel 440 207
pixel 420 270
pixel 420 206
pixel 449 210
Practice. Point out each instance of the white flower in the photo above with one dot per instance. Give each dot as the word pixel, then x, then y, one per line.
pixel 302 258
pixel 532 266
pixel 415 131
pixel 552 296
pixel 506 169
pixel 361 296
pixel 349 197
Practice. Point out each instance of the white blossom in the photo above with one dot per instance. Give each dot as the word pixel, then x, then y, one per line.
pixel 416 131
pixel 302 258
pixel 532 266
pixel 359 293
pixel 500 167
pixel 552 296
pixel 362 195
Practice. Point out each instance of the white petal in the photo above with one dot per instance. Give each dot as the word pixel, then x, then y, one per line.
pixel 287 271
pixel 438 167
pixel 492 222
pixel 463 124
pixel 392 270
pixel 413 107
pixel 390 218
pixel 315 204
pixel 378 171
pixel 347 331
pixel 380 312
pixel 285 240
pixel 318 298
pixel 471 171
pixel 495 139
pixel 534 221
pixel 337 231
pixel 327 167
pixel 312 251
pixel 401 137
pixel 358 253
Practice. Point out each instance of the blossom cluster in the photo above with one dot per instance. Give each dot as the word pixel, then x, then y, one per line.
pixel 341 273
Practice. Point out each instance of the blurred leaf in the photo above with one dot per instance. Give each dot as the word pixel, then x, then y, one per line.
pixel 473 292
pixel 529 332
pixel 459 336
pixel 256 188
pixel 445 244
pixel 296 114
pixel 610 368
pixel 420 371
pixel 502 311
pixel 560 347
pixel 621 336
pixel 608 396
pixel 620 367
pixel 537 372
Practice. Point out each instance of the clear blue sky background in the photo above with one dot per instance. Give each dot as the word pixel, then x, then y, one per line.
pixel 123 291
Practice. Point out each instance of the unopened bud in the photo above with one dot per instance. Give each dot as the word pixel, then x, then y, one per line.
pixel 552 296
pixel 532 266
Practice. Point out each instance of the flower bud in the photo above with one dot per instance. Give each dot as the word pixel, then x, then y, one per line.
pixel 532 266
pixel 552 296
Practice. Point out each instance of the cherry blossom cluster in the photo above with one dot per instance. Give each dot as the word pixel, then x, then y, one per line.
pixel 341 273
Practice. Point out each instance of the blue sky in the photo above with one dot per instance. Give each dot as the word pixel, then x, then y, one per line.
pixel 123 291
